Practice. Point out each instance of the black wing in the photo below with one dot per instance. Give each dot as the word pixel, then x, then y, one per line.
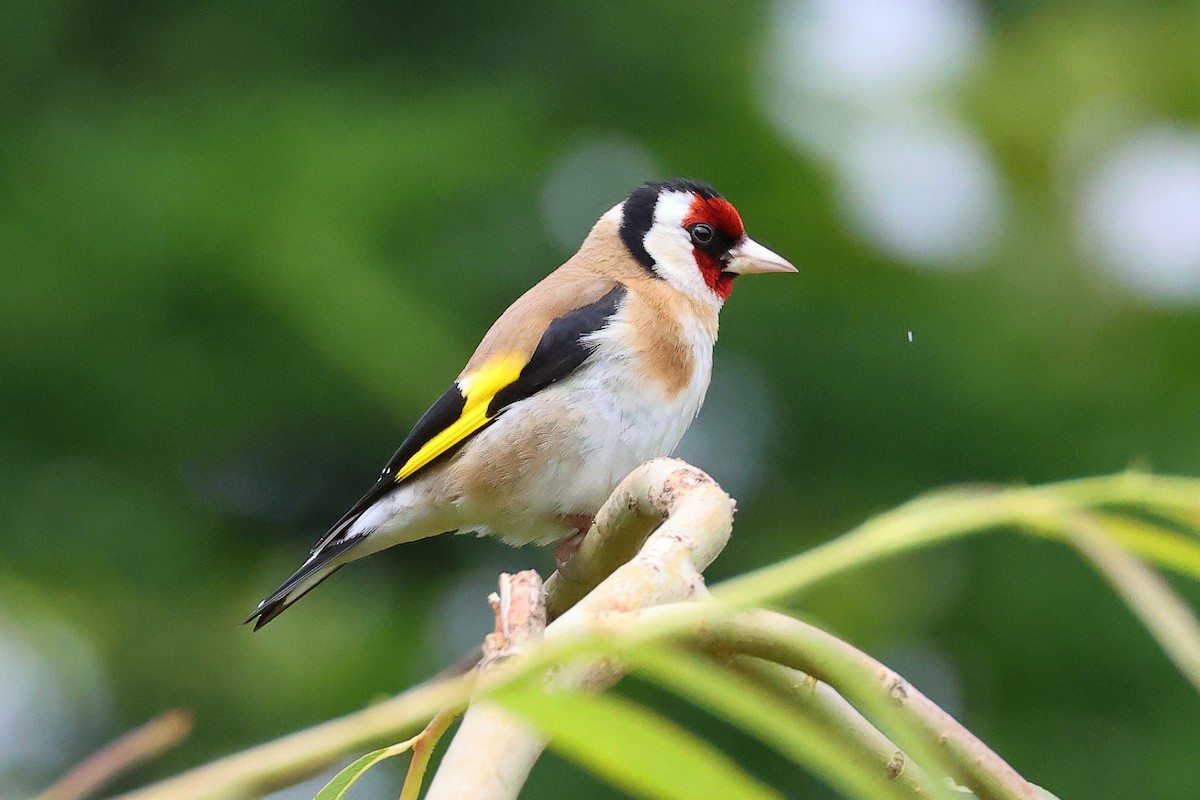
pixel 559 352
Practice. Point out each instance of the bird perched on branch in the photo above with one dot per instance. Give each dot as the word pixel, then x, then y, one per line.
pixel 599 367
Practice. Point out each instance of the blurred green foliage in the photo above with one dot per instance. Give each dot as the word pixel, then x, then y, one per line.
pixel 246 244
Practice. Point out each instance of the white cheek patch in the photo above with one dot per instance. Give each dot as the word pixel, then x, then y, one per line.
pixel 671 247
pixel 671 208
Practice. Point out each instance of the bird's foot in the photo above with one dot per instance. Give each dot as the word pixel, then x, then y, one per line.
pixel 565 550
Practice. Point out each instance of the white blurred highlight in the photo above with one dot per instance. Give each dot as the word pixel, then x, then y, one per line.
pixel 878 47
pixel 929 194
pixel 1140 215
pixel 53 703
pixel 592 177
pixel 861 84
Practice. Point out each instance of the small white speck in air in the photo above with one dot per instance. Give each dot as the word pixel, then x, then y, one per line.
pixel 910 336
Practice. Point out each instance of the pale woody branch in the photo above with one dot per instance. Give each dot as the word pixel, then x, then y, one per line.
pixel 484 758
pixel 797 644
pixel 873 753
pixel 642 501
pixel 665 523
pixel 634 579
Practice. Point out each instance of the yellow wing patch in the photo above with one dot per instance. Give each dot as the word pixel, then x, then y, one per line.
pixel 478 389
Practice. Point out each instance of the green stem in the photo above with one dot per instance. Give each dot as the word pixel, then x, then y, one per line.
pixel 289 759
pixel 953 514
pixel 875 688
pixel 1151 598
pixel 839 722
pixel 422 751
pixel 827 739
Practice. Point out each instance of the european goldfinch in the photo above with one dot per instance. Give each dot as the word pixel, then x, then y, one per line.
pixel 599 367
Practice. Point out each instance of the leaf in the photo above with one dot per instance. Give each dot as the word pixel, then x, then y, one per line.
pixel 631 747
pixel 1167 617
pixel 1153 543
pixel 762 715
pixel 337 788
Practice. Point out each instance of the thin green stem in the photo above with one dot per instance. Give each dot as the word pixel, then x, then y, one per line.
pixel 426 742
pixel 933 735
pixel 292 758
pixel 816 741
pixel 948 515
pixel 1151 598
pixel 839 721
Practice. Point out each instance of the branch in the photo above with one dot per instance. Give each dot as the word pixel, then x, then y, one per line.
pixel 488 755
pixel 854 674
pixel 665 570
pixel 664 524
pixel 873 753
pixel 662 490
pixel 292 758
pixel 950 514
pixel 623 563
pixel 136 747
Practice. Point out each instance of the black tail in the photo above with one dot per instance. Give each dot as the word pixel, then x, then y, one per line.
pixel 318 567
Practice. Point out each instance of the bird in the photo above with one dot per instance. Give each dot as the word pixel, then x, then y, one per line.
pixel 599 367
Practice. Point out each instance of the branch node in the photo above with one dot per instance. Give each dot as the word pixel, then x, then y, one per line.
pixel 520 615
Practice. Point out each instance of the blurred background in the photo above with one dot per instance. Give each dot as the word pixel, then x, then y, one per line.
pixel 245 245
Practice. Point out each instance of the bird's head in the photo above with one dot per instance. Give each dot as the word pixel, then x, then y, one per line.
pixel 691 237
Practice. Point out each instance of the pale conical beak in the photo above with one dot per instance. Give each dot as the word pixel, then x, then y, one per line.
pixel 748 257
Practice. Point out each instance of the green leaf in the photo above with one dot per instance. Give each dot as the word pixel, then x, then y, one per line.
pixel 796 735
pixel 336 789
pixel 1151 542
pixel 631 747
pixel 1163 612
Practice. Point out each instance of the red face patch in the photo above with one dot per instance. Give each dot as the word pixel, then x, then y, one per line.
pixel 717 212
pixel 720 282
pixel 722 216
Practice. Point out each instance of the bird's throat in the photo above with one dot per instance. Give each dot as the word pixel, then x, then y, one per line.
pixel 717 279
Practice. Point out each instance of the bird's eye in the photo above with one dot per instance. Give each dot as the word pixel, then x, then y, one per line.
pixel 702 233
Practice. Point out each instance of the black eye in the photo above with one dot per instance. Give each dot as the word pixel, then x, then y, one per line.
pixel 702 233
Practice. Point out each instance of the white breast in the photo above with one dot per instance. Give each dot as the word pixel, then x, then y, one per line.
pixel 634 418
pixel 591 429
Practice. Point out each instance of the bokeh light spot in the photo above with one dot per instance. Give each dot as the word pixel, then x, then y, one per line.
pixel 53 706
pixel 928 194
pixel 1140 215
pixel 590 178
pixel 878 46
pixel 862 85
